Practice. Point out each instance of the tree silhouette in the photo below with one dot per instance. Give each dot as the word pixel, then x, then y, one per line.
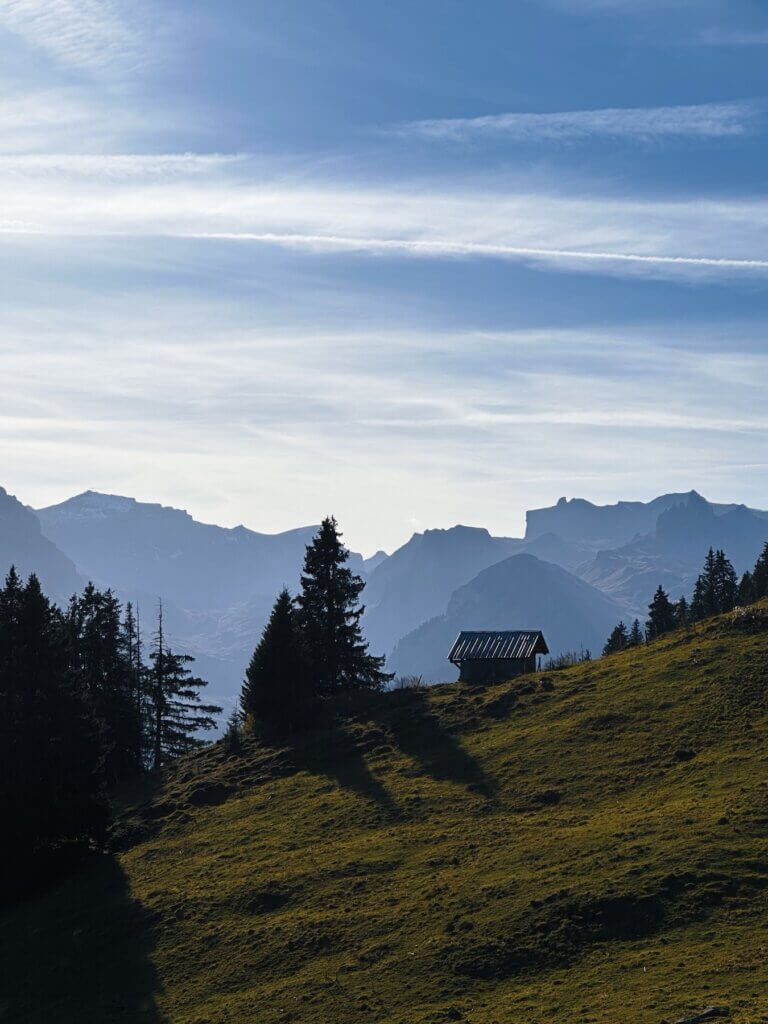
pixel 176 712
pixel 617 641
pixel 276 695
pixel 716 588
pixel 329 619
pixel 636 636
pixel 661 615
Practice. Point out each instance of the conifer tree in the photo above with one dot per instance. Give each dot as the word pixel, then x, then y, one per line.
pixel 329 618
pixel 617 641
pixel 725 584
pixel 232 740
pixel 636 636
pixel 716 588
pixel 101 664
pixel 747 592
pixel 51 766
pixel 661 615
pixel 760 575
pixel 703 601
pixel 131 644
pixel 276 694
pixel 682 613
pixel 176 712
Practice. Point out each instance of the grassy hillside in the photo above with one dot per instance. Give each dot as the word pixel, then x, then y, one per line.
pixel 587 846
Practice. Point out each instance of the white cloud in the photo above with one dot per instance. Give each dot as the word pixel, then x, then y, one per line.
pixel 116 167
pixel 216 197
pixel 445 249
pixel 85 34
pixel 170 408
pixel 710 120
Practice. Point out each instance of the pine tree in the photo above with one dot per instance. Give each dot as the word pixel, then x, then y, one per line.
pixel 725 584
pixel 617 641
pixel 131 644
pixel 682 613
pixel 661 615
pixel 100 660
pixel 704 603
pixel 760 575
pixel 276 694
pixel 51 765
pixel 176 712
pixel 232 739
pixel 329 618
pixel 636 636
pixel 747 592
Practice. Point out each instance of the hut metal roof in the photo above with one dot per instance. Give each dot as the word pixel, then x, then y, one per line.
pixel 504 645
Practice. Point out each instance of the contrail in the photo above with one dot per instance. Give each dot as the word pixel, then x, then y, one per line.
pixel 447 248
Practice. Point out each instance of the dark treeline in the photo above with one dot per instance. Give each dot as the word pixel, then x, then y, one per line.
pixel 81 710
pixel 312 648
pixel 717 590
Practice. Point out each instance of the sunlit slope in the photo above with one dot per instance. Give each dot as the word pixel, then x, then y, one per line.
pixel 587 846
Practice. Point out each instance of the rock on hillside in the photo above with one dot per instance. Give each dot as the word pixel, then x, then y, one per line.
pixel 521 592
pixel 22 544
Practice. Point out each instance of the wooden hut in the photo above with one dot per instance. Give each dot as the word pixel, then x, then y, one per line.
pixel 493 656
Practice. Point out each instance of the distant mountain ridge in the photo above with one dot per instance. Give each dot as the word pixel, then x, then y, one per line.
pixel 22 544
pixel 610 525
pixel 521 592
pixel 673 552
pixel 417 580
pixel 129 544
pixel 218 584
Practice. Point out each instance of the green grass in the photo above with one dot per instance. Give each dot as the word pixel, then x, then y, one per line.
pixel 596 851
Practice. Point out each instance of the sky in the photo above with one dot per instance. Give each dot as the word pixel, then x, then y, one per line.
pixel 414 263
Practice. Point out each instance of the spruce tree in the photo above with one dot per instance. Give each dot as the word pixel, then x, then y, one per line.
pixel 747 591
pixel 682 613
pixel 617 641
pixel 704 602
pixel 275 698
pixel 175 711
pixel 725 584
pixel 329 618
pixel 760 575
pixel 100 660
pixel 636 636
pixel 51 765
pixel 661 615
pixel 232 740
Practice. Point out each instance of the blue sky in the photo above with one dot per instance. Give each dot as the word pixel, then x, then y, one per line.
pixel 415 263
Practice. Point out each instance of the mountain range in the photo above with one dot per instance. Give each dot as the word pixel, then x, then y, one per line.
pixel 578 569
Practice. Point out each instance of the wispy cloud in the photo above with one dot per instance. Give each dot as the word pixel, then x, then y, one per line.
pixel 84 34
pixel 415 247
pixel 732 37
pixel 220 197
pixel 121 166
pixel 708 120
pixel 429 433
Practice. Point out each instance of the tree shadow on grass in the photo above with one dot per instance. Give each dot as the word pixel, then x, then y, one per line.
pixel 334 752
pixel 419 733
pixel 79 954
